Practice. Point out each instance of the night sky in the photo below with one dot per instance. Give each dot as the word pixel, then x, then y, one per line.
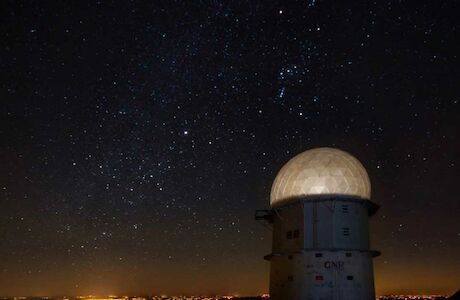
pixel 137 139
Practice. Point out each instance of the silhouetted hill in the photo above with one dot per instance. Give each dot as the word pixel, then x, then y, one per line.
pixel 455 296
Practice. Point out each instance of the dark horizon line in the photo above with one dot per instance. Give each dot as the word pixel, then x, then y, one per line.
pixel 129 295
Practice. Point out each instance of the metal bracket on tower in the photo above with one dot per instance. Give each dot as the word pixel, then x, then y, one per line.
pixel 265 215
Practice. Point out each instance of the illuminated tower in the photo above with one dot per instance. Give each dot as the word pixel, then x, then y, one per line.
pixel 320 209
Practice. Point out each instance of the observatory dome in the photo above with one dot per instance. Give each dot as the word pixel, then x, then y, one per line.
pixel 320 171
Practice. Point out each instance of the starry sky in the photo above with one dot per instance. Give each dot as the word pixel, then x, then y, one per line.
pixel 137 138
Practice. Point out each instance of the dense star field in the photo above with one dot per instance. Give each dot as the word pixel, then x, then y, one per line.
pixel 137 139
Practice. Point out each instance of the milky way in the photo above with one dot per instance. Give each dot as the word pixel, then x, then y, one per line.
pixel 137 139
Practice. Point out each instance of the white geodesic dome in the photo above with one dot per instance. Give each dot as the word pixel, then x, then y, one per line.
pixel 320 171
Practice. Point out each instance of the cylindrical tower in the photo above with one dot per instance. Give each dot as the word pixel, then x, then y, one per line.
pixel 320 209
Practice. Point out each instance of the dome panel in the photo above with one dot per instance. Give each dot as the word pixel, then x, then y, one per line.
pixel 320 171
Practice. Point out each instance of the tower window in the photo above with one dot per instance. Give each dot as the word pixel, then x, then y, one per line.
pixel 318 254
pixel 346 231
pixel 344 208
pixel 289 235
pixel 290 278
pixel 319 277
pixel 296 234
pixel 349 277
pixel 348 254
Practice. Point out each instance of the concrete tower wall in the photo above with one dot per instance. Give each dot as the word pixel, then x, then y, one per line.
pixel 333 276
pixel 285 221
pixel 321 225
pixel 336 224
pixel 321 251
